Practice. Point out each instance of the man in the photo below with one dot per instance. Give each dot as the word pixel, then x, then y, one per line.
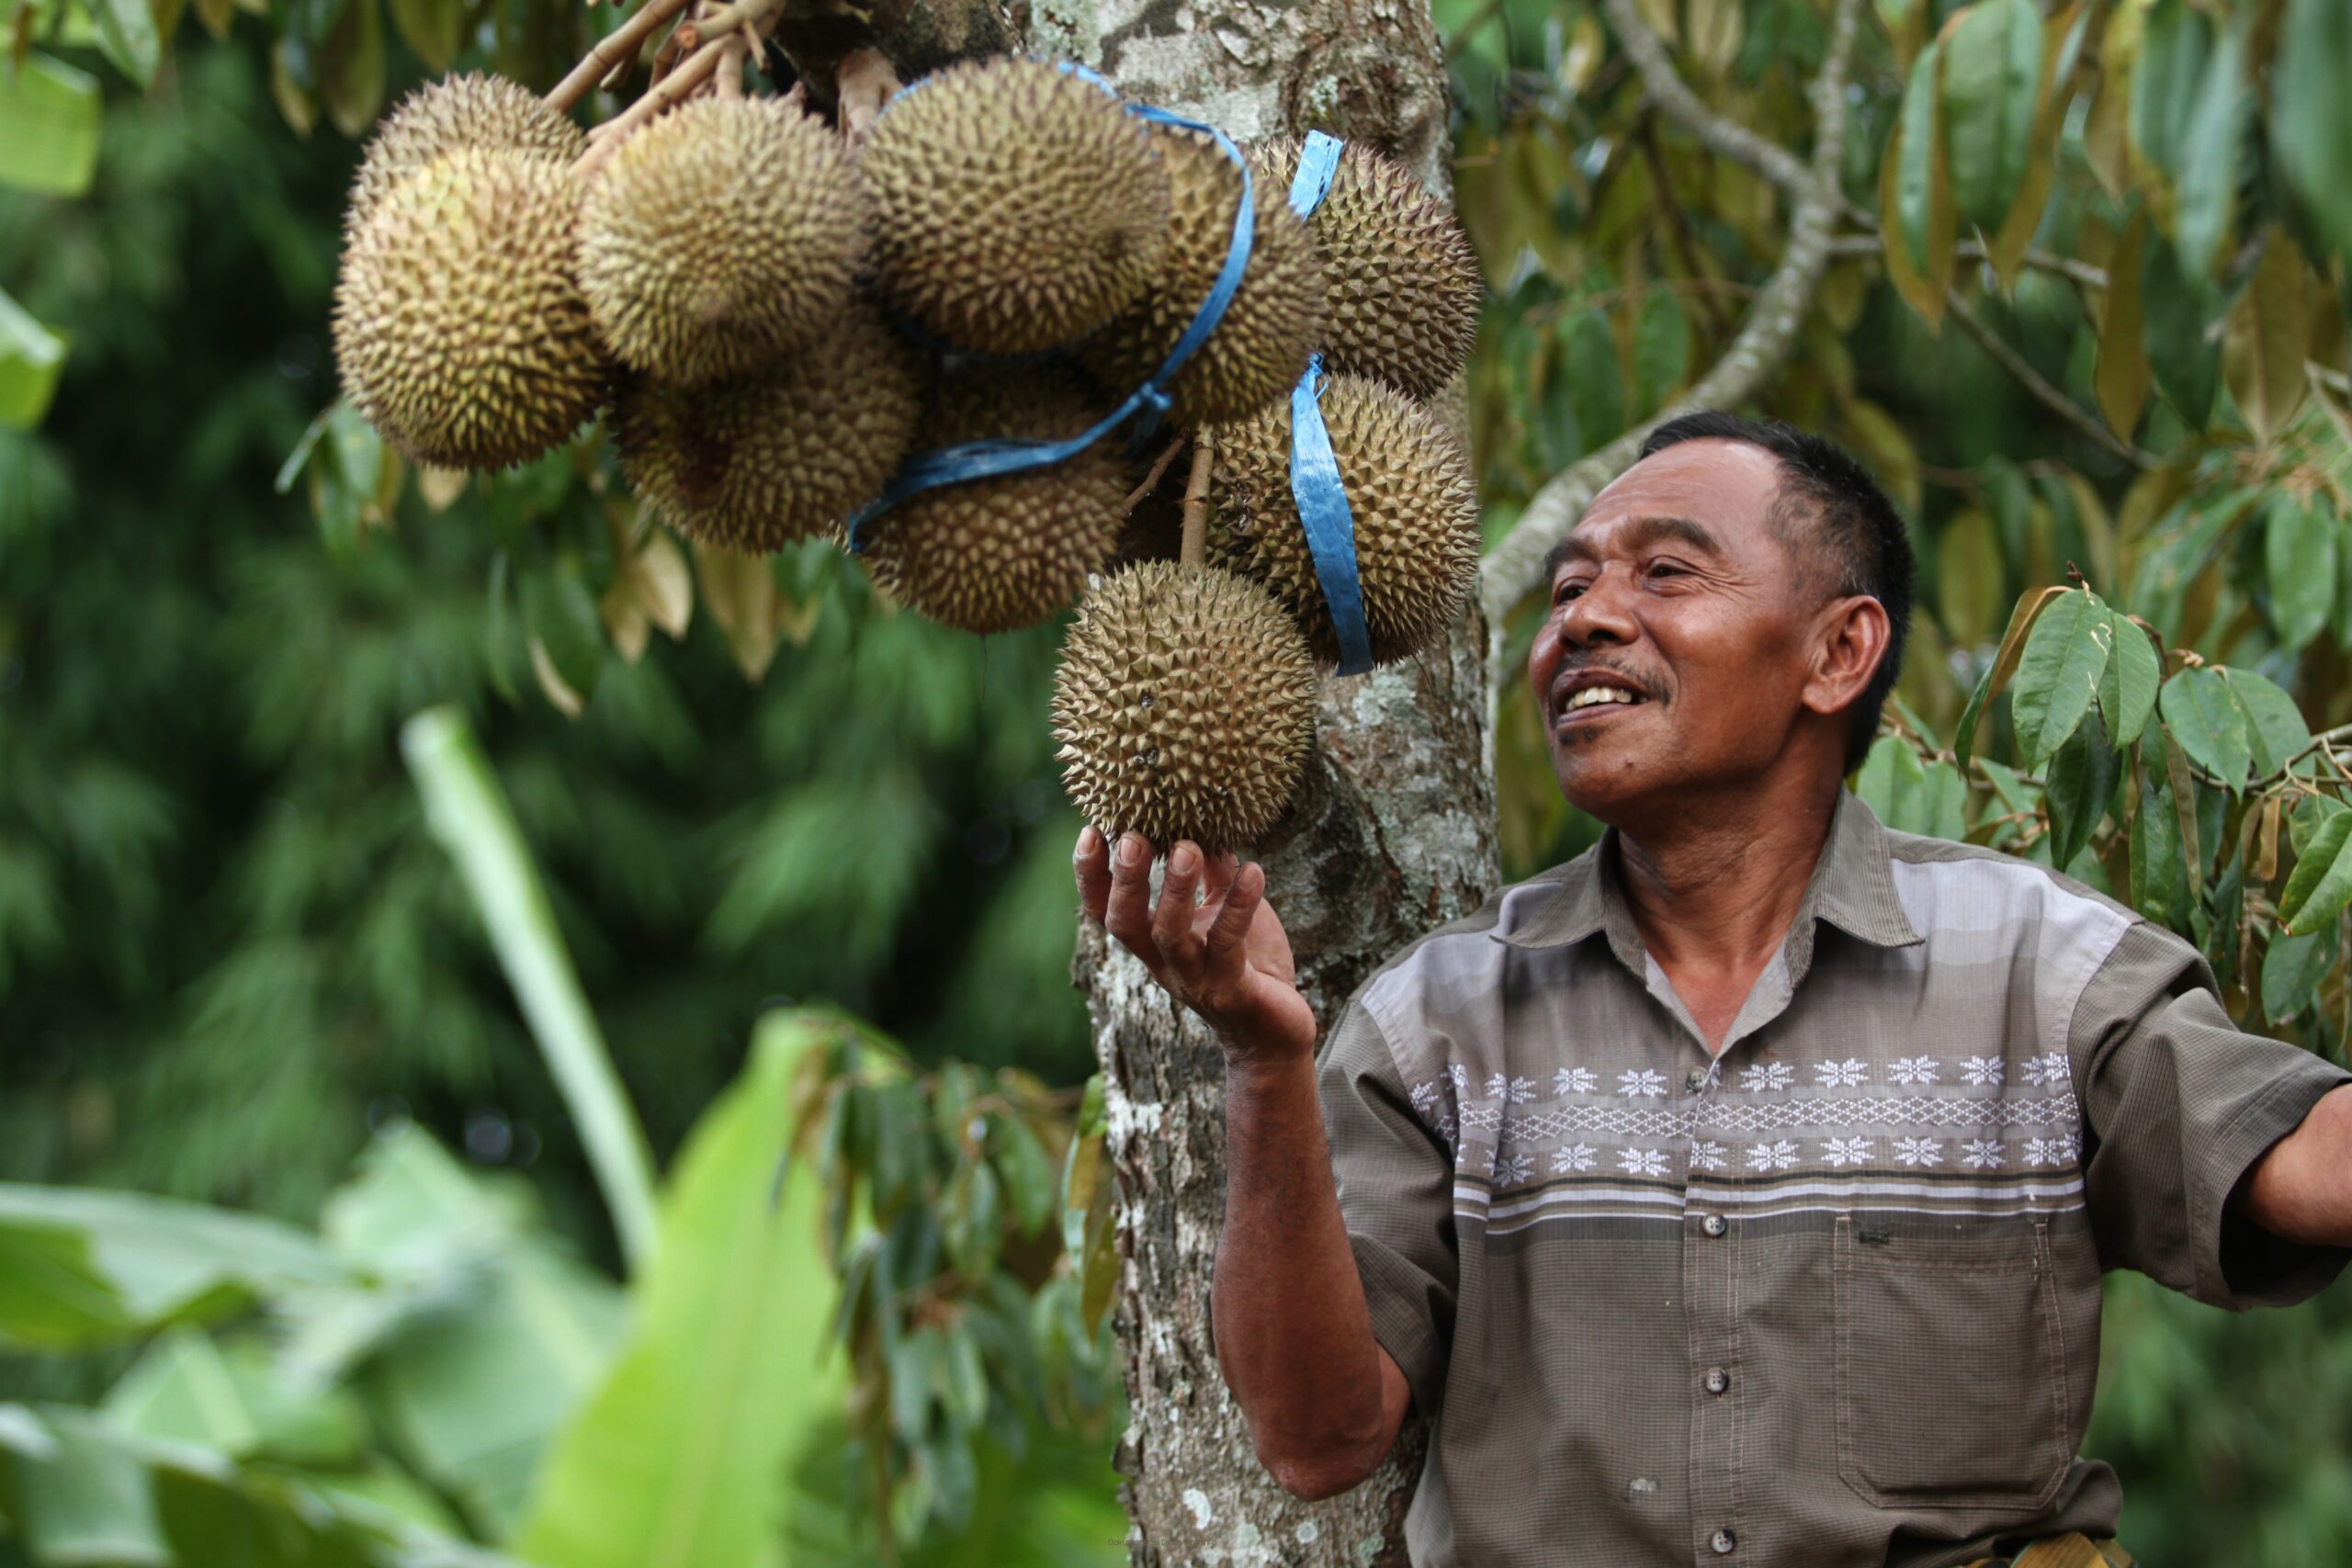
pixel 1738 1191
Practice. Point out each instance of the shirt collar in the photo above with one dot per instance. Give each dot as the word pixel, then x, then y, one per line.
pixel 1852 888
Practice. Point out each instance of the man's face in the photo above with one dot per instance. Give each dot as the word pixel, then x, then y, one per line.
pixel 1675 654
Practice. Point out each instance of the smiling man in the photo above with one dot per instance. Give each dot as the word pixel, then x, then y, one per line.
pixel 1738 1191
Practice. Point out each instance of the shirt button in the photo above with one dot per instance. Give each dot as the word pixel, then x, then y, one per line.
pixel 1694 1080
pixel 1722 1541
pixel 1714 1224
pixel 1717 1379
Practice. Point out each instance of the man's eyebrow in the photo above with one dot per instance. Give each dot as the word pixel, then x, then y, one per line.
pixel 1640 532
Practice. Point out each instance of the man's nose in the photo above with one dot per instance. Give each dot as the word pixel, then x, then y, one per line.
pixel 1602 614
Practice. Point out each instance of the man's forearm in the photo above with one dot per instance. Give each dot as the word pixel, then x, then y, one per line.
pixel 1293 1333
pixel 2301 1189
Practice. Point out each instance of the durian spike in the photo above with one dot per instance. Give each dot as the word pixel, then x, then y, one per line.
pixel 614 53
pixel 1194 551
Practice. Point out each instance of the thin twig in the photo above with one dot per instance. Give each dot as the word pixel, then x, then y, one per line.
pixel 613 54
pixel 674 88
pixel 1670 93
pixel 1159 470
pixel 2073 271
pixel 2076 418
pixel 1194 551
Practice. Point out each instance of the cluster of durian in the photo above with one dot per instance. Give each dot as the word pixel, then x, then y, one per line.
pixel 773 320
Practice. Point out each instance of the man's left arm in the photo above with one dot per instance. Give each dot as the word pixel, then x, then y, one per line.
pixel 2302 1190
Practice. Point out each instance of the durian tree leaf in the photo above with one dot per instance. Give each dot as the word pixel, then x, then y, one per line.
pixel 2311 113
pixel 2310 814
pixel 80 1268
pixel 2275 727
pixel 1593 377
pixel 49 114
pixel 1916 188
pixel 2299 550
pixel 2122 380
pixel 2204 717
pixel 2174 44
pixel 2081 778
pixel 351 67
pixel 181 1390
pixel 2205 184
pixel 2127 687
pixel 2293 967
pixel 1998 675
pixel 433 29
pixel 2268 333
pixel 1992 80
pixel 1661 351
pixel 2179 306
pixel 128 38
pixel 1969 577
pixel 561 612
pixel 2058 677
pixel 31 359
pixel 679 1457
pixel 2320 884
pixel 2159 869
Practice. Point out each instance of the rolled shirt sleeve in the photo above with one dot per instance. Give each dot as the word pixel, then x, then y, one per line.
pixel 1395 1181
pixel 2177 1104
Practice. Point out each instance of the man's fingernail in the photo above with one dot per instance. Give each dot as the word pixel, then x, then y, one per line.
pixel 1130 849
pixel 1088 841
pixel 1183 860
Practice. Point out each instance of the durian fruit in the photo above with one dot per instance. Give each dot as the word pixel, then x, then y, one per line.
pixel 1261 345
pixel 755 462
pixel 1017 207
pixel 470 109
pixel 460 331
pixel 1184 706
pixel 992 554
pixel 1399 278
pixel 1409 492
pixel 721 235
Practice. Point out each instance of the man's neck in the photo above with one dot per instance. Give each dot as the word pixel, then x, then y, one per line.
pixel 1715 891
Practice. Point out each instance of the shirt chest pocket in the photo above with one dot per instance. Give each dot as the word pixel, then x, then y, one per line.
pixel 1951 1372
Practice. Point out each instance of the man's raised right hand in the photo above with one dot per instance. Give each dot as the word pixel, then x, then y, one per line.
pixel 1225 956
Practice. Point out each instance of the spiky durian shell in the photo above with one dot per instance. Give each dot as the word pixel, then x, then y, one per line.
pixel 1017 208
pixel 1409 491
pixel 1261 345
pixel 990 555
pixel 1184 706
pixel 1400 280
pixel 755 462
pixel 470 109
pixel 721 235
pixel 459 330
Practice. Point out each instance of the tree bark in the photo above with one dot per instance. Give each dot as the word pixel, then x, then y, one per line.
pixel 1392 831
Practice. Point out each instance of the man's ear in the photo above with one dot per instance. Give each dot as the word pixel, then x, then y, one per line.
pixel 1849 639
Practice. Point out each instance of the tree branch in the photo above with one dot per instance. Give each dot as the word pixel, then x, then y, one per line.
pixel 1511 569
pixel 2077 419
pixel 2077 272
pixel 1673 96
pixel 617 48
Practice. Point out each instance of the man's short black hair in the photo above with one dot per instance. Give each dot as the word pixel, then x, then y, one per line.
pixel 1829 510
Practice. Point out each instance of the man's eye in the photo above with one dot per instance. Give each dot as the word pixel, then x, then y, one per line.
pixel 1570 591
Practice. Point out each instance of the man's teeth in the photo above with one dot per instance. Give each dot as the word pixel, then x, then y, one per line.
pixel 1592 697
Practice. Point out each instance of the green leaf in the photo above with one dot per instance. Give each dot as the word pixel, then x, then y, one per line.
pixel 2122 378
pixel 80 1268
pixel 2082 779
pixel 2175 43
pixel 679 1457
pixel 1593 375
pixel 1661 350
pixel 2309 815
pixel 2059 675
pixel 31 356
pixel 2275 727
pixel 559 611
pixel 2127 687
pixel 351 67
pixel 49 128
pixel 2206 184
pixel 1027 1169
pixel 1969 577
pixel 1889 780
pixel 2299 547
pixel 2179 305
pixel 2204 717
pixel 127 37
pixel 1996 675
pixel 2270 333
pixel 181 1390
pixel 2159 867
pixel 2311 113
pixel 433 29
pixel 2320 884
pixel 1914 187
pixel 2293 968
pixel 1992 85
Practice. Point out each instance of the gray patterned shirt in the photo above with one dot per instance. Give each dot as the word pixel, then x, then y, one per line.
pixel 1832 1297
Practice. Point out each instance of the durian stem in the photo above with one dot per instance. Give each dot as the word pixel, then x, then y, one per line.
pixel 1194 551
pixel 1159 468
pixel 616 49
pixel 730 69
pixel 863 82
pixel 678 85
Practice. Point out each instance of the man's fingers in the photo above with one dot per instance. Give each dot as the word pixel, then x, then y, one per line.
pixel 1127 910
pixel 1217 876
pixel 1172 922
pixel 1232 923
pixel 1092 865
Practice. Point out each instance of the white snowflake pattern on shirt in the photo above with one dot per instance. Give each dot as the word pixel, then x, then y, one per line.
pixel 1841 1075
pixel 1577 1157
pixel 1641 1083
pixel 2045 1070
pixel 1910 1070
pixel 1983 1071
pixel 1983 1154
pixel 1461 1077
pixel 1574 1080
pixel 1519 1092
pixel 1707 1155
pixel 1843 1152
pixel 2060 1150
pixel 1919 1151
pixel 1768 1076
pixel 1511 1170
pixel 1641 1162
pixel 1777 1155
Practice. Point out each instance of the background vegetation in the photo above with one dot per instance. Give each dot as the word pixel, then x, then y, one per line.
pixel 2082 309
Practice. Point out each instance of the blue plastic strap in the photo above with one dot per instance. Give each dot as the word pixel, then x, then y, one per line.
pixel 1147 404
pixel 1330 526
pixel 1315 482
